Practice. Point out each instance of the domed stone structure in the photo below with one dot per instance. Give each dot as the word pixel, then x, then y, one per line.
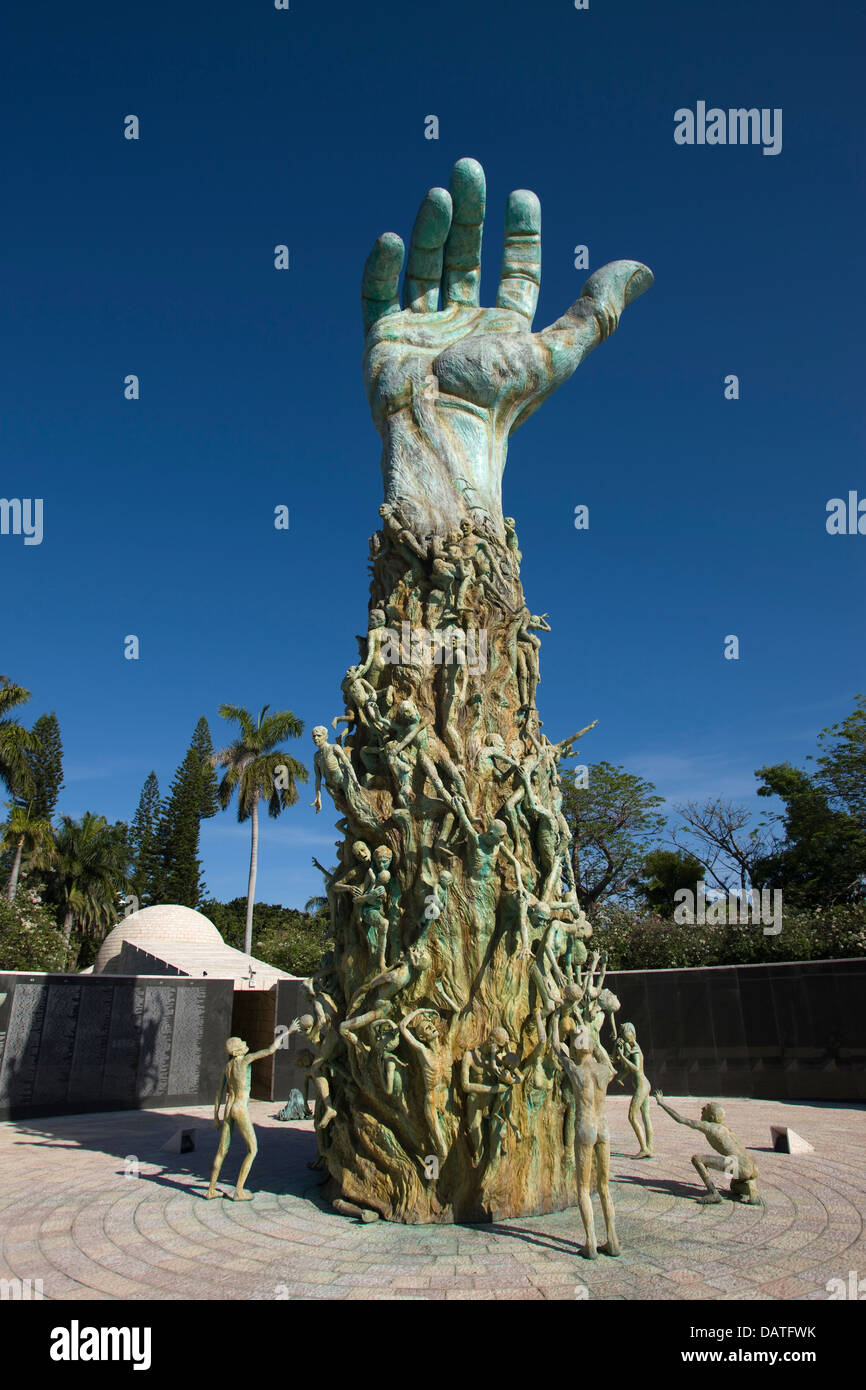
pixel 152 929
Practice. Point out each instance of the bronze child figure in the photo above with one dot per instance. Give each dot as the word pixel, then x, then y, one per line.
pixel 730 1157
pixel 589 1078
pixel 235 1086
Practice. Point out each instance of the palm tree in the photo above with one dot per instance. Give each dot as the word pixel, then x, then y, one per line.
pixel 15 741
pixel 31 835
pixel 89 867
pixel 261 772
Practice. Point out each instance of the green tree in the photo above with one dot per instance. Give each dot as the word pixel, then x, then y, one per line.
pixel 821 858
pixel 191 798
pixel 296 946
pixel 635 942
pixel 16 742
pixel 615 821
pixel 29 939
pixel 282 936
pixel 842 763
pixel 28 836
pixel 144 842
pixel 178 877
pixel 726 840
pixel 46 766
pixel 663 873
pixel 89 873
pixel 259 771
pixel 201 742
pixel 35 778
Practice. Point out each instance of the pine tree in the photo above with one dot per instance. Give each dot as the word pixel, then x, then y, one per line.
pixel 192 797
pixel 201 742
pixel 46 765
pixel 180 868
pixel 144 843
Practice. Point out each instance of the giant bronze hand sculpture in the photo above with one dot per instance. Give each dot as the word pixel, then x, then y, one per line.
pixel 448 386
pixel 458 902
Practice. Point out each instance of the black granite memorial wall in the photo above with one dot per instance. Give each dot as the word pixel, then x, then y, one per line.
pixel 75 1043
pixel 253 1019
pixel 292 1001
pixel 777 1032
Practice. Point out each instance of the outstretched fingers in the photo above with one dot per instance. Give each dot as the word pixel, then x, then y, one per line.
pixel 562 346
pixel 520 277
pixel 595 315
pixel 424 264
pixel 461 278
pixel 381 278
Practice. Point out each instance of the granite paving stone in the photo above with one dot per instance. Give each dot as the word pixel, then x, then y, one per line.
pixel 71 1216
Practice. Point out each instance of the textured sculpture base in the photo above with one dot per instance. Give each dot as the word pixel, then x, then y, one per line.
pixel 458 941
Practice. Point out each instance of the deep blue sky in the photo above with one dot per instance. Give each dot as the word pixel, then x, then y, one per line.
pixel 260 127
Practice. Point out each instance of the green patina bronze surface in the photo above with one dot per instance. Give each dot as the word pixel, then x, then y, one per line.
pixel 460 1069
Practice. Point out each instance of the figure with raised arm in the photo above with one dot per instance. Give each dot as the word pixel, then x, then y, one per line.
pixel 521 899
pixel 544 971
pixel 589 1080
pixel 420 1029
pixel 629 1062
pixel 731 1155
pixel 235 1088
pixel 528 647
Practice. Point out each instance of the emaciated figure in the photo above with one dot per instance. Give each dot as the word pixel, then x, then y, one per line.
pixel 486 1074
pixel 333 767
pixel 589 1080
pixel 629 1060
pixel 235 1085
pixel 435 1064
pixel 732 1157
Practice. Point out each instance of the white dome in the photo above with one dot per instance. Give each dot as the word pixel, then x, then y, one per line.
pixel 155 927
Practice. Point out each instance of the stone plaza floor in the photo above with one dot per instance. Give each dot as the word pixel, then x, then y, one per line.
pixel 74 1215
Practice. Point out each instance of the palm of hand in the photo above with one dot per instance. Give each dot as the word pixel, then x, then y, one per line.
pixel 442 352
pixel 447 387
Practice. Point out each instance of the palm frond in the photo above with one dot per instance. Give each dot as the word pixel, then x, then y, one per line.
pixel 240 716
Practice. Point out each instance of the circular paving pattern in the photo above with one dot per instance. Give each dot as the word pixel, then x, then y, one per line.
pixel 92 1207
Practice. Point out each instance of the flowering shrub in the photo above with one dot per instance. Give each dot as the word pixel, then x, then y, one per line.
pixel 634 941
pixel 29 939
